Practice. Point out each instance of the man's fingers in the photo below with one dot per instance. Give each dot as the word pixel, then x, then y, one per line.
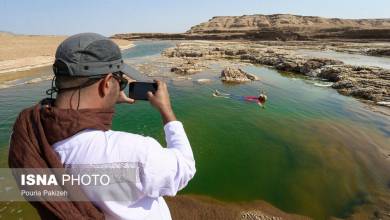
pixel 128 78
pixel 123 98
pixel 162 84
pixel 131 80
pixel 150 95
pixel 130 100
pixel 158 83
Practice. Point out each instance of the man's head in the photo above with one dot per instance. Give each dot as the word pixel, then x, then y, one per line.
pixel 89 72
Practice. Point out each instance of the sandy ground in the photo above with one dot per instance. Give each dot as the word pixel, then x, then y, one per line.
pixel 19 53
pixel 184 207
pixel 194 207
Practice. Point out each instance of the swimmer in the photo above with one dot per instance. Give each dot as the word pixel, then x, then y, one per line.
pixel 217 93
pixel 260 100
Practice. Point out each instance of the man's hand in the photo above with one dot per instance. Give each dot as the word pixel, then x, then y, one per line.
pixel 123 98
pixel 160 100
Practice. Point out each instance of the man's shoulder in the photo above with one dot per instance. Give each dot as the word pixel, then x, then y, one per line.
pixel 115 145
pixel 26 112
pixel 29 110
pixel 126 140
pixel 109 135
pixel 24 118
pixel 123 135
pixel 117 138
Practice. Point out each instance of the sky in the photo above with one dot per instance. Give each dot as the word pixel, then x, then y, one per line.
pixel 107 17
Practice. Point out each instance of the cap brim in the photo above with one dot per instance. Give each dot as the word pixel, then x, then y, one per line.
pixel 127 70
pixel 132 73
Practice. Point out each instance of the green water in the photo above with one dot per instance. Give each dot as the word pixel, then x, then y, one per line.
pixel 311 151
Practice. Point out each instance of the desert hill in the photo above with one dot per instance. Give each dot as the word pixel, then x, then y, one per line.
pixel 285 22
pixel 279 27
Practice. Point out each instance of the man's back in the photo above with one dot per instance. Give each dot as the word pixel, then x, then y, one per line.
pixel 161 171
pixel 90 79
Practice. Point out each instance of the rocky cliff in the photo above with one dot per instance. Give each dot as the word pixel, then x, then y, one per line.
pixel 296 26
pixel 285 22
pixel 279 27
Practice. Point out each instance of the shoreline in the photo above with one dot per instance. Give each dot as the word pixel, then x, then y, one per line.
pixel 29 63
pixel 22 55
pixel 23 64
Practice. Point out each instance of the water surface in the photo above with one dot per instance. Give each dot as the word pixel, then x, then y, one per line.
pixel 311 151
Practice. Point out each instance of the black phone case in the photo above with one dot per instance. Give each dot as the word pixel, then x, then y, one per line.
pixel 138 90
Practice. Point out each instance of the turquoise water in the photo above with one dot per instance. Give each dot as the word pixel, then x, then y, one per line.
pixel 146 48
pixel 311 151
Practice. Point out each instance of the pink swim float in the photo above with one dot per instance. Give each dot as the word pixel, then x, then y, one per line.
pixel 251 98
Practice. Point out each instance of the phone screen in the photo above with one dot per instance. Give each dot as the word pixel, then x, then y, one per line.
pixel 138 90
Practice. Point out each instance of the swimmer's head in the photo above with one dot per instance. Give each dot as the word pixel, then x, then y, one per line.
pixel 262 98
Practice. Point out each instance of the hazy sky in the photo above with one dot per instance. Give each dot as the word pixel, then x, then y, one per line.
pixel 120 16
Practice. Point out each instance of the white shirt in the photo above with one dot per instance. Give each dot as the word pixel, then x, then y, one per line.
pixel 163 171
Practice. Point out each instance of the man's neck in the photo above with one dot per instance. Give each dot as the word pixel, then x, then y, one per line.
pixel 72 101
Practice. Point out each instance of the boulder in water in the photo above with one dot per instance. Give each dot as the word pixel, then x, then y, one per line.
pixel 231 74
pixel 187 68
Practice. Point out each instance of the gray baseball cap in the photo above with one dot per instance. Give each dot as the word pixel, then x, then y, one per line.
pixel 87 54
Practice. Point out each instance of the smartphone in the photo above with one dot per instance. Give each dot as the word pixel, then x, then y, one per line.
pixel 138 90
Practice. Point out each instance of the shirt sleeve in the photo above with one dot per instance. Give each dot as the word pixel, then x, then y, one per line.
pixel 167 170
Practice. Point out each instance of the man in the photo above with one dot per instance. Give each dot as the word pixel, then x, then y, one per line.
pixel 75 129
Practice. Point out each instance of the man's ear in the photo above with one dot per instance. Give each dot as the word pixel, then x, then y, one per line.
pixel 104 85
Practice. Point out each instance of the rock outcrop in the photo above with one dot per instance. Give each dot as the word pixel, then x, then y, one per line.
pixel 378 52
pixel 187 68
pixel 230 74
pixel 369 83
